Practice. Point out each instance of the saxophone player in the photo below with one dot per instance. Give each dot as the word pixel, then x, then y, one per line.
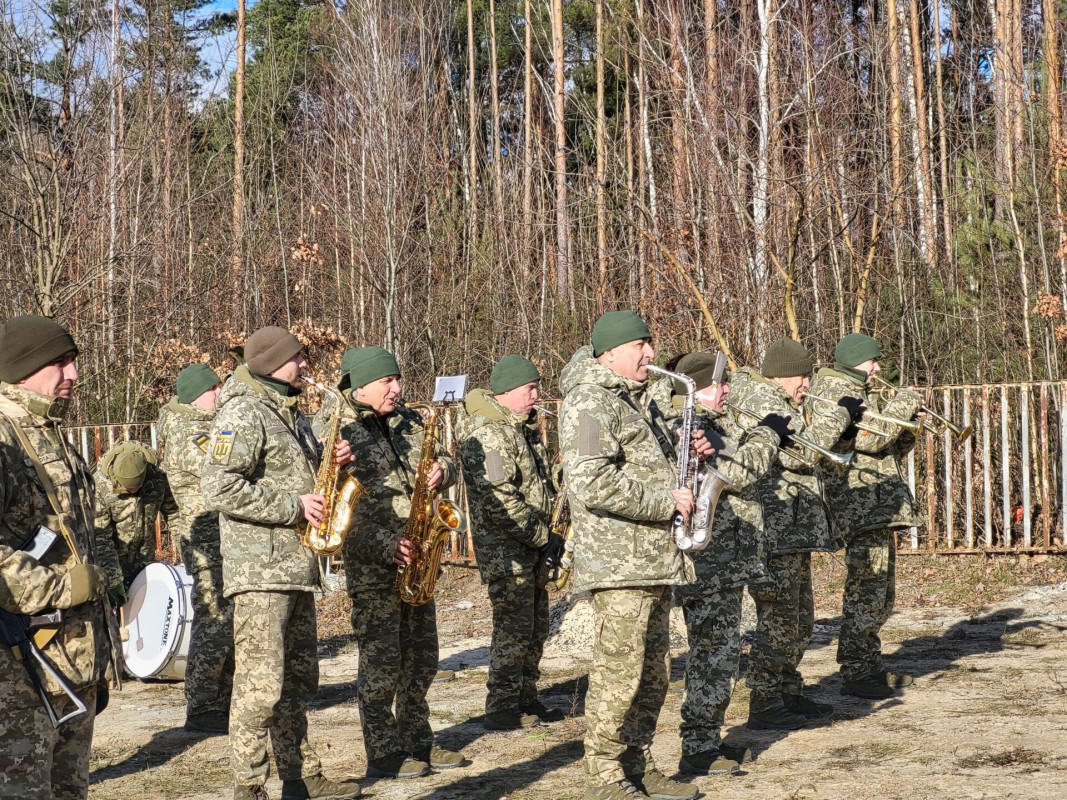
pixel 508 479
pixel 259 475
pixel 397 642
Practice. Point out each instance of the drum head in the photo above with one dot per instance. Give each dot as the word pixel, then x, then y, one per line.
pixel 154 618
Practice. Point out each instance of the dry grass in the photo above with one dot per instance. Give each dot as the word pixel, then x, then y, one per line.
pixel 1017 756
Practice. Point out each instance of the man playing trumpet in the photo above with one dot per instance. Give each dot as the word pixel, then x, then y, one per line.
pixel 868 504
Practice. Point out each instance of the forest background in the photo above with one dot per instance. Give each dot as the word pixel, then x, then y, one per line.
pixel 460 179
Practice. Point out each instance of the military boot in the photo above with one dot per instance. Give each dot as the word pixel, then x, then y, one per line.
pixel 319 787
pixel 772 715
pixel 215 722
pixel 799 704
pixel 440 758
pixel 655 784
pixel 709 762
pixel 444 676
pixel 738 753
pixel 543 712
pixel 894 680
pixel 397 765
pixel 510 720
pixel 255 792
pixel 868 687
pixel 620 790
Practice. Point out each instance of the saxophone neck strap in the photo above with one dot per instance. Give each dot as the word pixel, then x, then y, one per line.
pixel 662 439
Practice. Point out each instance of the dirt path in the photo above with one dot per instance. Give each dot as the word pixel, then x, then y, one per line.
pixel 987 718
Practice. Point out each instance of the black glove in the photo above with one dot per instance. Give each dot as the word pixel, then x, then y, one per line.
pixel 552 552
pixel 118 596
pixel 779 423
pixel 853 405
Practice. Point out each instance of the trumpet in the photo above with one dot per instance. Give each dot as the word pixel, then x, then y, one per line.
pixel 960 432
pixel 839 460
pixel 913 425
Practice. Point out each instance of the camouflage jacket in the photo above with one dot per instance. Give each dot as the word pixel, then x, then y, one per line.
pixel 506 468
pixel 129 521
pixel 35 586
pixel 261 457
pixel 734 555
pixel 794 506
pixel 618 477
pixel 873 493
pixel 386 451
pixel 183 432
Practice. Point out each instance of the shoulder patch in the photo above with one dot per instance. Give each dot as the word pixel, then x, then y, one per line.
pixel 588 435
pixel 494 466
pixel 201 440
pixel 220 454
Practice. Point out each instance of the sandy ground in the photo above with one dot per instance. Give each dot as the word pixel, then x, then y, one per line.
pixel 987 717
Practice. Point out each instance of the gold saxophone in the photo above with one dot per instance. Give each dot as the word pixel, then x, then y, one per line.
pixel 432 521
pixel 341 491
pixel 554 568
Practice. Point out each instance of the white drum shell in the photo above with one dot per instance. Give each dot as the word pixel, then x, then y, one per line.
pixel 158 619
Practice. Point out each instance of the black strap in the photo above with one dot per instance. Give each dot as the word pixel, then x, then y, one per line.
pixel 661 438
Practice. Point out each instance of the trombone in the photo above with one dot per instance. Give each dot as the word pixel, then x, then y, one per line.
pixel 960 432
pixel 913 425
pixel 839 460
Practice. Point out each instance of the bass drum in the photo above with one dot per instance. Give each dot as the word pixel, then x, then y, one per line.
pixel 158 622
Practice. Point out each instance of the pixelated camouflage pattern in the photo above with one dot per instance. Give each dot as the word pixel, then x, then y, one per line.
pixel 618 478
pixel 129 520
pixel 794 508
pixel 734 555
pixel 628 681
pixel 785 618
pixel 873 493
pixel 506 469
pixel 209 669
pixel 261 457
pixel 870 592
pixel 520 628
pixel 276 676
pixel 397 663
pixel 37 760
pixel 183 432
pixel 712 662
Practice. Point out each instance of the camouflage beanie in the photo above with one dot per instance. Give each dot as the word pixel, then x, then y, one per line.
pixel 698 366
pixel 269 348
pixel 855 349
pixel 194 380
pixel 787 359
pixel 511 372
pixel 128 464
pixel 29 343
pixel 615 328
pixel 367 364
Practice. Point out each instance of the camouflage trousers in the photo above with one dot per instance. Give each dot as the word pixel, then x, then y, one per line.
pixel 209 671
pixel 520 628
pixel 276 673
pixel 627 682
pixel 37 760
pixel 870 591
pixel 785 609
pixel 397 662
pixel 713 623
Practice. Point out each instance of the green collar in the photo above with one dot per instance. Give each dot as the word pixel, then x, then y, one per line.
pixel 278 387
pixel 44 406
pixel 853 374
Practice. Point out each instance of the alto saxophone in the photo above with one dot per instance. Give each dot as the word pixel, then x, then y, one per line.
pixel 341 491
pixel 432 521
pixel 554 568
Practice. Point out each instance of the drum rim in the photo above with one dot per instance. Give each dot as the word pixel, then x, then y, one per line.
pixel 170 645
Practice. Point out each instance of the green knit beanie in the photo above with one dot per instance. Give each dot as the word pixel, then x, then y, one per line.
pixel 194 380
pixel 855 349
pixel 29 343
pixel 617 327
pixel 787 359
pixel 698 366
pixel 128 464
pixel 367 364
pixel 511 372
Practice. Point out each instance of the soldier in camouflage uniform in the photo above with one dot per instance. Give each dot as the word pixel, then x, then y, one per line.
pixel 260 475
pixel 397 642
pixel 732 559
pixel 619 469
pixel 184 429
pixel 510 491
pixel 795 525
pixel 131 491
pixel 37 760
pixel 867 505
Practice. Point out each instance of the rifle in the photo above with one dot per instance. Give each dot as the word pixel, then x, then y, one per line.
pixel 15 633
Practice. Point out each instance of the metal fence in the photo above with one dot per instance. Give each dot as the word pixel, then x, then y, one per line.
pixel 1001 490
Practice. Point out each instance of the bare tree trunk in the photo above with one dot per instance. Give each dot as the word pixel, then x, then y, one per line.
pixel 472 131
pixel 601 164
pixel 679 155
pixel 113 174
pixel 896 123
pixel 942 134
pixel 766 11
pixel 563 275
pixel 494 81
pixel 920 137
pixel 527 147
pixel 238 162
pixel 1055 132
